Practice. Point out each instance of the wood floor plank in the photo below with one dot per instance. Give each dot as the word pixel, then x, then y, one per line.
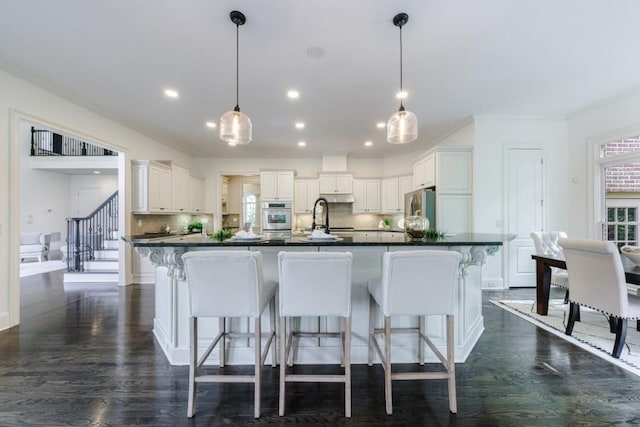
pixel 87 357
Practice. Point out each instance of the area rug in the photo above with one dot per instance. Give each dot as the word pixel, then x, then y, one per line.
pixel 31 268
pixel 591 334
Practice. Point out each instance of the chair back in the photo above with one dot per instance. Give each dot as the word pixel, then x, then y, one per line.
pixel 419 282
pixel 546 242
pixel 315 283
pixel 224 283
pixel 596 275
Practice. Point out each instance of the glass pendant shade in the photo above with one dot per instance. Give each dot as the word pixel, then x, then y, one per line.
pixel 402 127
pixel 235 128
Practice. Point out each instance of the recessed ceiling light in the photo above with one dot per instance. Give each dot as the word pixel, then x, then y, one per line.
pixel 302 144
pixel 368 143
pixel 401 95
pixel 171 93
pixel 211 125
pixel 299 125
pixel 293 94
pixel 381 125
pixel 96 172
pixel 233 144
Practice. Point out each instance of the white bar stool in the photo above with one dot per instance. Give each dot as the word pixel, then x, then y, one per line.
pixel 228 284
pixel 417 283
pixel 315 284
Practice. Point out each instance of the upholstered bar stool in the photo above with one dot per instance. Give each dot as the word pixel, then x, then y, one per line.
pixel 228 284
pixel 315 284
pixel 415 283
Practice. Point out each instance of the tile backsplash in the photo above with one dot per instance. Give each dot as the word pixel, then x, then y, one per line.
pixel 341 215
pixel 148 223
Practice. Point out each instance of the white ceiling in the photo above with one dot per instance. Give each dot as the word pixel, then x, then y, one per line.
pixel 464 57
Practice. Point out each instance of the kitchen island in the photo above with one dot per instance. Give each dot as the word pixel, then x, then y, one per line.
pixel 172 306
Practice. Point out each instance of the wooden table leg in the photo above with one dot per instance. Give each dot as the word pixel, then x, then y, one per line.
pixel 543 285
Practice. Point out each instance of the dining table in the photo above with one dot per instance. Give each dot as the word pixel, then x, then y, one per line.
pixel 544 263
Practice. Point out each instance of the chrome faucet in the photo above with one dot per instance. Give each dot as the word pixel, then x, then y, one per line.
pixel 326 214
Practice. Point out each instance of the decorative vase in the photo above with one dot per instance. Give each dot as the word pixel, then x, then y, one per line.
pixel 416 226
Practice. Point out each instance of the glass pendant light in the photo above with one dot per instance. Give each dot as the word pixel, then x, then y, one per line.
pixel 235 127
pixel 403 125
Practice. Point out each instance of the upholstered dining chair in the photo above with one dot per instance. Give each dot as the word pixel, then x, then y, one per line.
pixel 415 283
pixel 226 284
pixel 597 280
pixel 546 244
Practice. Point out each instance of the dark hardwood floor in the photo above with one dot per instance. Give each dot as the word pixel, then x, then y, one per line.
pixel 87 357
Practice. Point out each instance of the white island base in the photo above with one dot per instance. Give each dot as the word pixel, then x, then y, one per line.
pixel 172 309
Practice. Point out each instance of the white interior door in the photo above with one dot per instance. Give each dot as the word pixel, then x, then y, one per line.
pixel 524 212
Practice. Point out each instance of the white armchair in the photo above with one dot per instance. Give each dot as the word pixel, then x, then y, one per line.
pixel 34 245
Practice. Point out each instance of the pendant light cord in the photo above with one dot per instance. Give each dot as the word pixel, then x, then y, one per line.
pixel 401 90
pixel 238 67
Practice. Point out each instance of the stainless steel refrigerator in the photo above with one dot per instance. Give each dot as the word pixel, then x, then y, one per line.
pixel 422 203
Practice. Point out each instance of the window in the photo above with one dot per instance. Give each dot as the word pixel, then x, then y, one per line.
pixel 250 197
pixel 622 225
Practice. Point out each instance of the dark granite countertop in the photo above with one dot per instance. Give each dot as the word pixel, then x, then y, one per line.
pixel 462 239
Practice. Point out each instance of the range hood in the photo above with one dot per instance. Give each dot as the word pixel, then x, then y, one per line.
pixel 331 164
pixel 339 198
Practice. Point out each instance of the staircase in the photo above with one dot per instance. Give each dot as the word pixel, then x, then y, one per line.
pixel 92 245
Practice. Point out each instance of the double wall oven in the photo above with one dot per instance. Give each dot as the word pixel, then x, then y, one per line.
pixel 276 220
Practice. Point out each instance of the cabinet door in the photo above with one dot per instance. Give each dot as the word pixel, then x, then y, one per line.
pixel 285 185
pixel 313 192
pixel 372 189
pixel 301 199
pixel 179 189
pixel 390 195
pixel 269 185
pixel 453 213
pixel 159 189
pixel 454 173
pixel 327 184
pixel 196 194
pixel 424 172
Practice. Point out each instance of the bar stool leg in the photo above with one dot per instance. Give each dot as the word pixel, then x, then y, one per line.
pixel 451 364
pixel 387 365
pixel 272 333
pixel 420 340
pixel 283 363
pixel 193 361
pixel 258 366
pixel 372 318
pixel 222 325
pixel 347 367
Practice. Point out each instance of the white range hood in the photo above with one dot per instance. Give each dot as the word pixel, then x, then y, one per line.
pixel 335 164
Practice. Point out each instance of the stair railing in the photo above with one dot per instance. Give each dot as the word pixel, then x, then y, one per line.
pixel 47 143
pixel 87 234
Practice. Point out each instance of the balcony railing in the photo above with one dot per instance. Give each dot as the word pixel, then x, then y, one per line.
pixel 47 143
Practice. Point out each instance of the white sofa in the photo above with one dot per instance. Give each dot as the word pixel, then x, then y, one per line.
pixel 34 245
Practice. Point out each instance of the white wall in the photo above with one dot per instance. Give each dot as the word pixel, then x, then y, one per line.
pixel 106 185
pixel 492 136
pixel 613 119
pixel 22 100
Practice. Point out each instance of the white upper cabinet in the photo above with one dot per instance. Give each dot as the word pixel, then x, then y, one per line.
pixel 448 169
pixel 307 192
pixel 276 185
pixel 151 187
pixel 424 172
pixel 393 191
pixel 366 193
pixel 336 183
pixel 180 189
pixel 196 194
